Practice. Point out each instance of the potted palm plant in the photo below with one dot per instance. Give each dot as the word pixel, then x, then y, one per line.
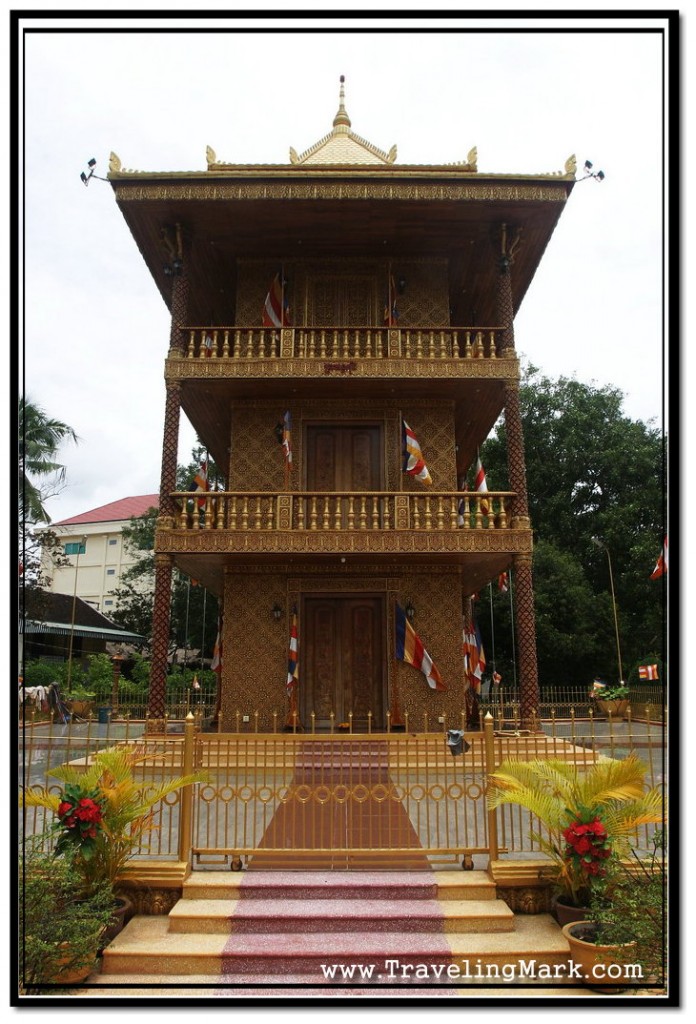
pixel 105 814
pixel 587 819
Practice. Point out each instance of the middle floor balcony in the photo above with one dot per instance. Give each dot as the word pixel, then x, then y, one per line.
pixel 443 527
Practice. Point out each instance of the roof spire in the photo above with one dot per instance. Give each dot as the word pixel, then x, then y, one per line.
pixel 341 118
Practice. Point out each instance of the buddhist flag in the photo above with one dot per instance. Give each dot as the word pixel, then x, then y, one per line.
pixel 503 583
pixel 472 648
pixel 480 484
pixel 208 345
pixel 496 678
pixel 276 312
pixel 293 658
pixel 648 672
pixel 409 648
pixel 391 314
pixel 286 439
pixel 413 457
pixel 200 482
pixel 597 687
pixel 216 663
pixel 661 563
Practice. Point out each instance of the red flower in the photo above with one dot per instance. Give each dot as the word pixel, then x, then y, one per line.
pixel 583 845
pixel 88 810
pixel 64 808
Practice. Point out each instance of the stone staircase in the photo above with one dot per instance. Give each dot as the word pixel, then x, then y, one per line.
pixel 372 929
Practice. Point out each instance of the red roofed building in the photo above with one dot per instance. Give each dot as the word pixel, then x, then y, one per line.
pixel 93 544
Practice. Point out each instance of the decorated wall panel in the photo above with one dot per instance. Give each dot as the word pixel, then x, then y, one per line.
pixel 347 292
pixel 256 457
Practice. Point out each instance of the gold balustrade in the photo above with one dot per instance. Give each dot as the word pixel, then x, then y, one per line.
pixel 342 511
pixel 342 344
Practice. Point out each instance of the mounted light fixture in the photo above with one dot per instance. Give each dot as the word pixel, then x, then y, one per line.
pixel 277 612
pixel 410 612
pixel 589 173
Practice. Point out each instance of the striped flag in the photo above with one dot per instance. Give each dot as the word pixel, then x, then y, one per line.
pixel 496 678
pixel 286 439
pixel 410 649
pixel 293 657
pixel 216 663
pixel 276 312
pixel 661 563
pixel 463 486
pixel 472 650
pixel 413 456
pixel 503 583
pixel 208 345
pixel 391 314
pixel 648 672
pixel 480 484
pixel 597 687
pixel 200 482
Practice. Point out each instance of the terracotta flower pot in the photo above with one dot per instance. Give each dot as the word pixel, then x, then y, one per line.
pixel 123 911
pixel 617 708
pixel 567 913
pixel 598 963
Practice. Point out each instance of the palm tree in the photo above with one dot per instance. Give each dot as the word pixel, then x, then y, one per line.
pixel 39 440
pixel 559 795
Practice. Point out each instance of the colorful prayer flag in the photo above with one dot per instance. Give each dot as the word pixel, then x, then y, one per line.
pixel 391 314
pixel 648 672
pixel 480 484
pixel 413 456
pixel 216 663
pixel 200 482
pixel 472 649
pixel 287 438
pixel 497 678
pixel 208 345
pixel 661 564
pixel 503 583
pixel 410 649
pixel 276 311
pixel 293 656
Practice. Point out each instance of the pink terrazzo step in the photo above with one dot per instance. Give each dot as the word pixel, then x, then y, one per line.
pixel 363 885
pixel 289 916
pixel 304 954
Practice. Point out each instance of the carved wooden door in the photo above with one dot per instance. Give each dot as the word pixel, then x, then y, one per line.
pixel 348 459
pixel 342 661
pixel 341 301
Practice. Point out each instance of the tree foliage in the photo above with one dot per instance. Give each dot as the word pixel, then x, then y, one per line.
pixel 193 622
pixel 592 472
pixel 40 437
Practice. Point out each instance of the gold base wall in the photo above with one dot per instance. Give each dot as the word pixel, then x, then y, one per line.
pixel 256 645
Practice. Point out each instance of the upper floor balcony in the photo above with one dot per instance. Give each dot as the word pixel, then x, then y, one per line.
pixel 267 354
pixel 452 526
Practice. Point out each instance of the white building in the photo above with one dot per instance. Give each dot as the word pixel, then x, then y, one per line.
pixel 96 552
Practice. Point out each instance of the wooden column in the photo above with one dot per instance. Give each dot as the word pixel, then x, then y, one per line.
pixel 523 594
pixel 170 448
pixel 160 643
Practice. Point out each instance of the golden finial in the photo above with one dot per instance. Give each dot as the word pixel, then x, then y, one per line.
pixel 571 165
pixel 210 156
pixel 341 117
pixel 114 163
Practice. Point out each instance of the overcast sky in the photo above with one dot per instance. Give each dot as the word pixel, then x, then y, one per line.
pixel 96 329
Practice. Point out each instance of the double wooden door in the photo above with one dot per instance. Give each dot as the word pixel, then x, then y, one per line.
pixel 343 660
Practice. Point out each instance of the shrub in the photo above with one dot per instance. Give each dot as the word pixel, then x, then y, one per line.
pixel 59 927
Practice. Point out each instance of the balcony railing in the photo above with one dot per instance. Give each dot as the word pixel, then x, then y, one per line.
pixel 344 344
pixel 342 511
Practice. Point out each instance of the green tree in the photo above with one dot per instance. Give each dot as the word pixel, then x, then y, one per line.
pixel 193 622
pixel 39 440
pixel 591 472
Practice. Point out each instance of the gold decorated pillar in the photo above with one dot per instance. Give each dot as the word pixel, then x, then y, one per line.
pixel 523 594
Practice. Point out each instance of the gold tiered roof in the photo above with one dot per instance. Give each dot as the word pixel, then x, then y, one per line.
pixel 341 145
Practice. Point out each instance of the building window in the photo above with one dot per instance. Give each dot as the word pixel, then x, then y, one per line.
pixel 113 542
pixel 110 572
pixel 108 602
pixel 75 547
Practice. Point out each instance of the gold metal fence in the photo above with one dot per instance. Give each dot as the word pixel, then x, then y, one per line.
pixel 338 799
pixel 48 746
